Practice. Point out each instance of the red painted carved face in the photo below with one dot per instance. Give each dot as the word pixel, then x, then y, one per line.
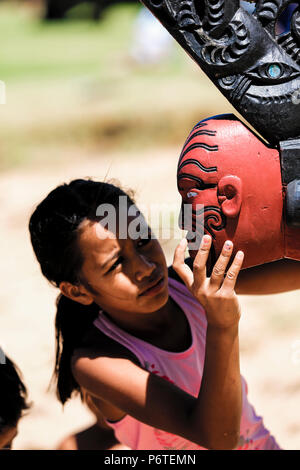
pixel 232 181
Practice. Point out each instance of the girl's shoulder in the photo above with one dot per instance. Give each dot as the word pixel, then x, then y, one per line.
pixel 95 344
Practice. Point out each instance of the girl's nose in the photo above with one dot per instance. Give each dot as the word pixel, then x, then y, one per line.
pixel 144 267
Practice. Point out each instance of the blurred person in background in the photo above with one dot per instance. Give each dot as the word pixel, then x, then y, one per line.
pixel 99 436
pixel 57 9
pixel 152 43
pixel 13 396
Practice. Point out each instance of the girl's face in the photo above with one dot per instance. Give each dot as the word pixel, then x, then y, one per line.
pixel 123 275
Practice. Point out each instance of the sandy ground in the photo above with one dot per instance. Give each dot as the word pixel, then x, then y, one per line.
pixel 270 328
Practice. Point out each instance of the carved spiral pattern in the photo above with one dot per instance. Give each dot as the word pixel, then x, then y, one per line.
pixel 221 54
pixel 215 13
pixel 290 41
pixel 269 10
pixel 187 17
pixel 223 40
pixel 295 24
pixel 214 219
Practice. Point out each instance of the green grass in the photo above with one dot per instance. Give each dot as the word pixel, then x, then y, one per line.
pixel 73 84
pixel 36 49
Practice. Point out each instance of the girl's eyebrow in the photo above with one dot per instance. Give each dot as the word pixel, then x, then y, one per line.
pixel 112 257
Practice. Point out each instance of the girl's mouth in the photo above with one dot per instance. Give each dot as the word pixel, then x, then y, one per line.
pixel 156 287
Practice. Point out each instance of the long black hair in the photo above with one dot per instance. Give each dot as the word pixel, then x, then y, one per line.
pixel 13 394
pixel 54 227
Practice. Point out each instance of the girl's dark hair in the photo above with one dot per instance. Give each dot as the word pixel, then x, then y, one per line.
pixel 54 232
pixel 13 394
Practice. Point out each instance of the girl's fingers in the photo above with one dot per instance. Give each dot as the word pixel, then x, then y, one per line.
pixel 218 272
pixel 182 269
pixel 233 272
pixel 199 266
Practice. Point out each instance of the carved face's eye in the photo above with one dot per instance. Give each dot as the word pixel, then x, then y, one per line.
pixel 191 194
pixel 273 73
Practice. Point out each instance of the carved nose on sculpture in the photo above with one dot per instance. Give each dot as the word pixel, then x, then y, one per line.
pixel 293 203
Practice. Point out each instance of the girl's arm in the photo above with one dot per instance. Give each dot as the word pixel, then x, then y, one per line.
pixel 271 278
pixel 212 420
pixel 221 394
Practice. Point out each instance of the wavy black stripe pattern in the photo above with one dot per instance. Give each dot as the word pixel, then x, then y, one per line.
pixel 193 161
pixel 193 134
pixel 209 148
pixel 196 134
pixel 200 124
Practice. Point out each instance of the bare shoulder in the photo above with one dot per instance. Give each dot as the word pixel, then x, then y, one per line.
pixel 99 360
pixel 111 376
pixel 100 366
pixel 96 344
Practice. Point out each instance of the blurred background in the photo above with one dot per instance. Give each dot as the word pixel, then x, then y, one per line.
pixel 99 89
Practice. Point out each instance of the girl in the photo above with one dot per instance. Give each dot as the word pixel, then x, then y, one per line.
pixel 157 356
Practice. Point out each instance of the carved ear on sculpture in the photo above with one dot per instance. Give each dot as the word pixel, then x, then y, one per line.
pixel 230 195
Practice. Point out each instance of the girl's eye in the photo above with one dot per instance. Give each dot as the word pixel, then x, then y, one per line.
pixel 116 264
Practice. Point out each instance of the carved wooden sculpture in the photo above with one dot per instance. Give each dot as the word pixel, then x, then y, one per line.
pixel 258 71
pixel 232 181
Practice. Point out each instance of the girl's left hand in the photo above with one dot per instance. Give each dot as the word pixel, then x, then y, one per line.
pixel 216 294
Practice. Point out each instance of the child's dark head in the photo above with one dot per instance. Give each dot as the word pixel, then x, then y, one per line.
pixel 12 402
pixel 92 264
pixel 79 253
pixel 54 226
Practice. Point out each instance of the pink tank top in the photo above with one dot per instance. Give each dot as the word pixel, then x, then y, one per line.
pixel 185 370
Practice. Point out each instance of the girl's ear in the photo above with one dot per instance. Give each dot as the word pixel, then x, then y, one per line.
pixel 76 293
pixel 230 195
